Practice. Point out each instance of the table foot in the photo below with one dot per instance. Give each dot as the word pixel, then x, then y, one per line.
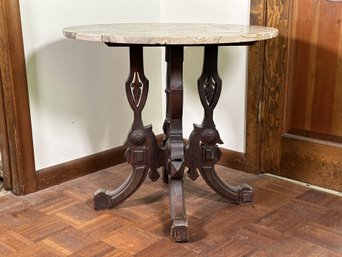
pixel 179 231
pixel 179 223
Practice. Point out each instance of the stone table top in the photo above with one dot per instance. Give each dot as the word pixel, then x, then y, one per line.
pixel 170 33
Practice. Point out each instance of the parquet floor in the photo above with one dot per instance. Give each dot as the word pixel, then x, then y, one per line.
pixel 285 220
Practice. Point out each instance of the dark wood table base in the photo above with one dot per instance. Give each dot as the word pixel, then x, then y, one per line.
pixel 200 154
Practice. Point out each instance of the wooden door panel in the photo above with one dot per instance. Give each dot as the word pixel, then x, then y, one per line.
pixel 311 146
pixel 301 71
pixel 316 69
pixel 327 54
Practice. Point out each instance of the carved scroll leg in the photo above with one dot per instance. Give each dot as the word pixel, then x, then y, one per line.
pixel 210 155
pixel 104 199
pixel 242 194
pixel 176 164
pixel 139 143
pixel 209 87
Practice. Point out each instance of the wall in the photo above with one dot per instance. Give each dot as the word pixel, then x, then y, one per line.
pixel 77 88
pixel 229 114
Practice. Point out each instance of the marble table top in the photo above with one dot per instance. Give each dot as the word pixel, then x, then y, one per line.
pixel 170 33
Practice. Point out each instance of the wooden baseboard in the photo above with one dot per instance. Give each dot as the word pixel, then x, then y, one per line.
pixel 63 172
pixel 233 159
pixel 79 167
pixel 312 161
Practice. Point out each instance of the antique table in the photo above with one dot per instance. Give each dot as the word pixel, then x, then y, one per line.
pixel 201 152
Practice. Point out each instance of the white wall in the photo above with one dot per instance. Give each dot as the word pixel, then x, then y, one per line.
pixel 77 98
pixel 229 114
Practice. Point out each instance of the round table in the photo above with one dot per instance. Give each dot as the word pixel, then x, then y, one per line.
pixel 200 153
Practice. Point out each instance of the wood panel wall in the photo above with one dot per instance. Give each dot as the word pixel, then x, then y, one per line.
pixel 316 35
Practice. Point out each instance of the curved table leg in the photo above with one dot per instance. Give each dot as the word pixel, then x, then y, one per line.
pixel 104 199
pixel 242 193
pixel 175 145
pixel 202 152
pixel 143 152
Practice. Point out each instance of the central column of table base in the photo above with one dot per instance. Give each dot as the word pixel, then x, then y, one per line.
pixel 174 146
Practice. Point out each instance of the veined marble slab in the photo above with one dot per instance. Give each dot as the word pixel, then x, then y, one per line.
pixel 170 33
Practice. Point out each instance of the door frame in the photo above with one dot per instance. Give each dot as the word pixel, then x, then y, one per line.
pixel 18 149
pixel 275 13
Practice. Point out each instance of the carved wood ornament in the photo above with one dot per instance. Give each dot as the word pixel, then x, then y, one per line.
pixel 201 154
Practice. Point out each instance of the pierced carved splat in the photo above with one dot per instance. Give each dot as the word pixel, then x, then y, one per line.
pixel 136 88
pixel 143 152
pixel 209 88
pixel 202 152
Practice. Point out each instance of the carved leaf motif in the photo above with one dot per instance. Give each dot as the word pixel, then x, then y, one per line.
pixel 136 88
pixel 209 88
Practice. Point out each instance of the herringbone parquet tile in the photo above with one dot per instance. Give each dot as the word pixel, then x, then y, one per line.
pixel 285 220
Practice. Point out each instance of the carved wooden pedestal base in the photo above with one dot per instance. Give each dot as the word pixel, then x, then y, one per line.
pixel 201 154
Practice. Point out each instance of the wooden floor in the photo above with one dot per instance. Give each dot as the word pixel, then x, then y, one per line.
pixel 285 220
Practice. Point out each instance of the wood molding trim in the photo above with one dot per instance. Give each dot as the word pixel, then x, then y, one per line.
pixel 233 159
pixel 15 99
pixel 79 167
pixel 4 147
pixel 307 157
pixel 82 166
pixel 274 85
pixel 254 92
